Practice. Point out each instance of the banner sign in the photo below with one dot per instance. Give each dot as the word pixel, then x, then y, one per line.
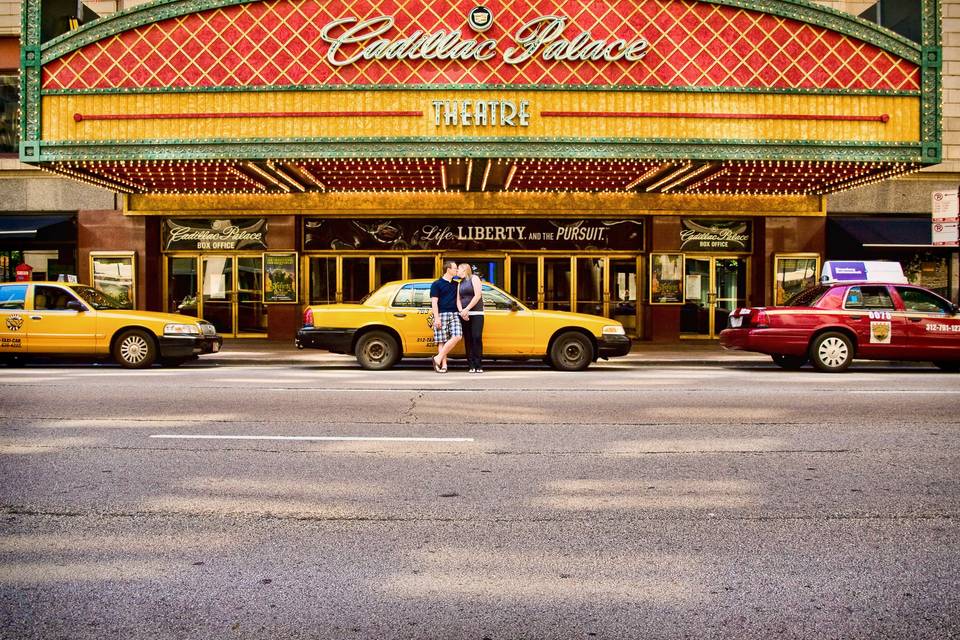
pixel 324 234
pixel 206 234
pixel 716 235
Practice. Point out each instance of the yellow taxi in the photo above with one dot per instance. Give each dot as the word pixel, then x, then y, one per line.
pixel 67 319
pixel 392 323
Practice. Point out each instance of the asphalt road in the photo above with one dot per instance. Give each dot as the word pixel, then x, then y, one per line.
pixel 323 501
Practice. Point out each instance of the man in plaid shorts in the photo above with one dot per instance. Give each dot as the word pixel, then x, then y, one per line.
pixel 446 321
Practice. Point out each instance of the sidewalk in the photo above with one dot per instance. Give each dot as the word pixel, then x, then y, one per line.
pixel 241 351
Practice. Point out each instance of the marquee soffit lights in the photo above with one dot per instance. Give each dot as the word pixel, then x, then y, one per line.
pixel 283 176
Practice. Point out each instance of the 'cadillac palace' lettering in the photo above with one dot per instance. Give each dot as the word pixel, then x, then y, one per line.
pixel 352 40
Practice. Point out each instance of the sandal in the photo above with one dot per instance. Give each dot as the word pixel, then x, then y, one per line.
pixel 436 365
pixel 443 370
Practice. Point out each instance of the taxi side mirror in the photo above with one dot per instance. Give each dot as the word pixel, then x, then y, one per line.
pixel 954 309
pixel 514 306
pixel 75 305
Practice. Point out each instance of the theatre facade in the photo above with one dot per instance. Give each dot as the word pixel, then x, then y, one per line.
pixel 655 161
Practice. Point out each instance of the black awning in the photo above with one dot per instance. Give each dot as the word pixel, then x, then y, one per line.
pixel 876 231
pixel 38 228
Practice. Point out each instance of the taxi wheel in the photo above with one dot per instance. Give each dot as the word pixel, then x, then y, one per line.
pixel 831 352
pixel 789 362
pixel 571 351
pixel 135 349
pixel 950 366
pixel 377 350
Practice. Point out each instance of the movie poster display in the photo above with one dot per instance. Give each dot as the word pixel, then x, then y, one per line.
pixel 280 278
pixel 666 278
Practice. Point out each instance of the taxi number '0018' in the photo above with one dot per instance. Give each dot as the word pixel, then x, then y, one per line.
pixel 880 315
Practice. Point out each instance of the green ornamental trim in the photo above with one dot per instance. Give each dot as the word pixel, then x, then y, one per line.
pixel 297 148
pixel 479 87
pixel 802 10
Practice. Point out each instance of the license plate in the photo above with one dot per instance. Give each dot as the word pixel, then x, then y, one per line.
pixel 216 347
pixel 736 321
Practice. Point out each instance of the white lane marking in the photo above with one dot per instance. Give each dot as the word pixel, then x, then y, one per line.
pixel 316 438
pixel 901 391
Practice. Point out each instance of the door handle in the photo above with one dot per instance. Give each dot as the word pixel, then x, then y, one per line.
pixel 36 317
pixel 399 315
pixel 915 319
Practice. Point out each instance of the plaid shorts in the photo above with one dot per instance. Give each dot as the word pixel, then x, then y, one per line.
pixel 449 327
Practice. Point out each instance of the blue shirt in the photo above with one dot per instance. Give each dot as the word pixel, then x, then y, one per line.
pixel 446 295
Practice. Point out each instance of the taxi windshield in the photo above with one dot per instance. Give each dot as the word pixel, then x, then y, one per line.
pixel 96 298
pixel 807 297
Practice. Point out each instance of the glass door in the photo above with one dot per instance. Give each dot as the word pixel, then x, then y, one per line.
pixel 591 287
pixel 713 287
pixel 386 269
pixel 183 286
pixel 218 292
pixel 556 284
pixel 524 284
pixel 730 274
pixel 354 279
pixel 622 293
pixel 251 312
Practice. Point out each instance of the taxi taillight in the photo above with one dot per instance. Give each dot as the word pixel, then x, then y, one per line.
pixel 308 317
pixel 759 319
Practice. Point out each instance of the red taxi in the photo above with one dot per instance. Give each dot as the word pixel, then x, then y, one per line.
pixel 836 321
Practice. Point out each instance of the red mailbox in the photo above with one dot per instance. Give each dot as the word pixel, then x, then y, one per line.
pixel 23 272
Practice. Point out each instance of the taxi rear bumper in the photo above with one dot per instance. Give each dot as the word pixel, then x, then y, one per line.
pixel 333 340
pixel 767 340
pixel 188 346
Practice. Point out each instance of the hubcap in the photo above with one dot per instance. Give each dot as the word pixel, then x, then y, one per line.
pixel 376 351
pixel 134 349
pixel 833 352
pixel 572 351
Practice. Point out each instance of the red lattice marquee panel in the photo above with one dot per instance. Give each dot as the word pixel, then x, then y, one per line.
pixel 279 43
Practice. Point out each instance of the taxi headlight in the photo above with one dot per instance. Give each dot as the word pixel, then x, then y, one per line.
pixel 176 329
pixel 613 330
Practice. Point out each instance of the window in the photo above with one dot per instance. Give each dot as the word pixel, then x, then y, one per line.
pixel 13 296
pixel 868 297
pixel 493 299
pixel 9 123
pixel 807 297
pixel 413 295
pixel 923 301
pixel 51 298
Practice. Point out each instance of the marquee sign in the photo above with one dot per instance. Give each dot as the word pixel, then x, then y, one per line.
pixel 324 234
pixel 715 235
pixel 206 234
pixel 296 43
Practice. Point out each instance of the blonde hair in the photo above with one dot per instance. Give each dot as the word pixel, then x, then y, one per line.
pixel 468 269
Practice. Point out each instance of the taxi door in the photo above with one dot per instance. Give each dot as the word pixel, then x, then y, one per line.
pixel 407 313
pixel 881 329
pixel 13 319
pixel 56 328
pixel 507 328
pixel 933 325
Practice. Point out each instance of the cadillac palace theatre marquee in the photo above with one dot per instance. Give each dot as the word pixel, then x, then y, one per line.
pixel 293 98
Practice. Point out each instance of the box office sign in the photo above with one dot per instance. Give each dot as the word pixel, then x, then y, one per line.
pixel 716 235
pixel 209 234
pixel 537 234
